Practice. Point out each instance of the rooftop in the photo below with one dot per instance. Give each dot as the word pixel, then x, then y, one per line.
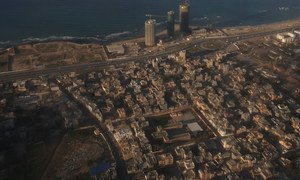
pixel 194 127
pixel 115 48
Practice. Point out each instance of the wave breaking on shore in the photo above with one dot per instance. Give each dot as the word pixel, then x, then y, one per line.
pixel 96 38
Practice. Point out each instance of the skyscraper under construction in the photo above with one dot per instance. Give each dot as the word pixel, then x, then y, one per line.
pixel 184 9
pixel 150 32
pixel 170 24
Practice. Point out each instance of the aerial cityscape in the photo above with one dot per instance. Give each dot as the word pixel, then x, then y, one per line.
pixel 174 100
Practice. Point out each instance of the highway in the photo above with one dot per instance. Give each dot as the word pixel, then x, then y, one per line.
pixel 32 73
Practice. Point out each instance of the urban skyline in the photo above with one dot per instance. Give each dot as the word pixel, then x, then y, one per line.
pixel 179 101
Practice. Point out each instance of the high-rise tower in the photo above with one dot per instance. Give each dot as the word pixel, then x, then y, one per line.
pixel 150 32
pixel 170 24
pixel 184 9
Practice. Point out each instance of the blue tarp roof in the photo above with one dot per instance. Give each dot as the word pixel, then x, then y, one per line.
pixel 99 169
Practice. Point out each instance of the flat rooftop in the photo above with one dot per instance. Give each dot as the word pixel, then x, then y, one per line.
pixel 194 127
pixel 116 48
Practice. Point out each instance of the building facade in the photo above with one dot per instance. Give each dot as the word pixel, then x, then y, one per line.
pixel 150 32
pixel 171 24
pixel 184 17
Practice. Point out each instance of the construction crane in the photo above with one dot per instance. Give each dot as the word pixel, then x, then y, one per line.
pixel 150 16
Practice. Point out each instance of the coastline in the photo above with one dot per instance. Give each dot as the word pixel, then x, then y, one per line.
pixel 122 36
pixel 289 21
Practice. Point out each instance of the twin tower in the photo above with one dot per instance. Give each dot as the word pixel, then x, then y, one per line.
pixel 150 24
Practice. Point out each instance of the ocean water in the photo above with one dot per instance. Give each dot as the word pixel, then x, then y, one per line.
pixel 27 20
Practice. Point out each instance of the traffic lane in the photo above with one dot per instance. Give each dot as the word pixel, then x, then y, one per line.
pixel 16 75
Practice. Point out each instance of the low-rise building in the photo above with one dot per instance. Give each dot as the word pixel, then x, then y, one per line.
pixel 286 38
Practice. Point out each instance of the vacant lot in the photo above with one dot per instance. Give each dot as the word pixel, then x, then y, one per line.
pixel 77 153
pixel 53 54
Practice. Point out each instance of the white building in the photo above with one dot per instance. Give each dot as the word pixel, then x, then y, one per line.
pixel 297 32
pixel 116 49
pixel 194 128
pixel 286 38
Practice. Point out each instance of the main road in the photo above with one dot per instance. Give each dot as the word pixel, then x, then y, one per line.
pixel 32 73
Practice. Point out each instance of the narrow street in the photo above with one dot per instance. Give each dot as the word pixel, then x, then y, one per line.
pixel 120 163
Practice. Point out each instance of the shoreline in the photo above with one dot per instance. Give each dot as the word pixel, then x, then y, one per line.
pixel 297 20
pixel 29 65
pixel 121 36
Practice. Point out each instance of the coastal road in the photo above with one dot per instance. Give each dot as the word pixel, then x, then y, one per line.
pixel 32 73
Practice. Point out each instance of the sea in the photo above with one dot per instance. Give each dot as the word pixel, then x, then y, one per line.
pixel 23 21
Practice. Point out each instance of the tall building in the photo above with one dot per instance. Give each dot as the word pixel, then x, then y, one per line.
pixel 10 62
pixel 184 10
pixel 150 32
pixel 170 23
